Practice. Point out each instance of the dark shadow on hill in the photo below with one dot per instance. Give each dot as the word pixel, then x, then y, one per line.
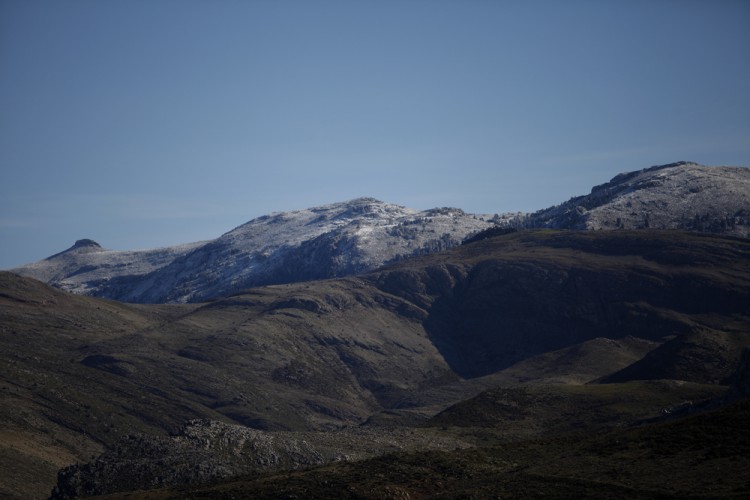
pixel 504 310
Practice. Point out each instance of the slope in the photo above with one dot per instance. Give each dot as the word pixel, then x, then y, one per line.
pixel 78 373
pixel 501 300
pixel 86 267
pixel 54 409
pixel 318 243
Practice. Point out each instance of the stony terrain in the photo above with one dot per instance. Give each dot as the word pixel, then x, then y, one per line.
pixel 704 455
pixel 208 450
pixel 560 441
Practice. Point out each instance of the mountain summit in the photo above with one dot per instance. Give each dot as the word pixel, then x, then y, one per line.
pixel 86 243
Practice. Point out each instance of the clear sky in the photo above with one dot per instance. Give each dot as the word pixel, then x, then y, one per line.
pixel 145 123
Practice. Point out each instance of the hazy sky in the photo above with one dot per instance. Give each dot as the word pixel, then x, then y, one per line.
pixel 143 123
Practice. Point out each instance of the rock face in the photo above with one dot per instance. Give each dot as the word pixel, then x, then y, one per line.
pixel 86 243
pixel 679 195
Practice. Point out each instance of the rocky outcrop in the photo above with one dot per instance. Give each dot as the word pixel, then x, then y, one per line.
pixel 205 450
pixel 86 243
pixel 208 451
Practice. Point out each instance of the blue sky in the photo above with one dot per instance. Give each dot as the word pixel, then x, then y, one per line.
pixel 145 123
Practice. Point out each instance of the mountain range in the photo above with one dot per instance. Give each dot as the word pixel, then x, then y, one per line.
pixel 347 238
pixel 322 242
pixel 519 359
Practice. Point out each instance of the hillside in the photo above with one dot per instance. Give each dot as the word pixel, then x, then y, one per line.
pixel 500 301
pixel 390 348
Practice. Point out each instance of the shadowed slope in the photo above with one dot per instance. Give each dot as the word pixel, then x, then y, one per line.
pixel 502 300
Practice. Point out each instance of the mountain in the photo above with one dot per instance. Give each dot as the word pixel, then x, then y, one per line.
pixel 346 238
pixel 322 242
pixel 451 362
pixel 385 350
pixel 680 195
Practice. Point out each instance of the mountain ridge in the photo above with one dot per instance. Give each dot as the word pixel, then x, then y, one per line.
pixel 346 238
pixel 320 242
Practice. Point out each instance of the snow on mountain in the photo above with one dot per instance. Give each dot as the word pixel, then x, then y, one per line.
pixel 85 267
pixel 316 243
pixel 680 195
pixel 359 235
pixel 321 242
